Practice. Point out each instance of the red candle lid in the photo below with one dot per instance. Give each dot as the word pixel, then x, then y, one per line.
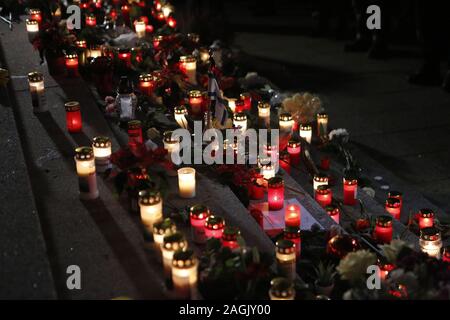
pixel 214 222
pixel 384 221
pixel 430 234
pixel 71 55
pixel 426 213
pixel 199 212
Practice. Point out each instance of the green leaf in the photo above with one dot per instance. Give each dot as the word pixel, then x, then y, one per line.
pixel 255 255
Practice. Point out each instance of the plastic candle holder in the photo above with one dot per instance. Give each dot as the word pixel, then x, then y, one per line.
pixel 37 91
pixel 230 237
pixel 214 227
pixel 393 207
pixel 171 244
pixel 240 121
pixel 71 60
pixel 281 289
pixel 246 98
pixel 320 179
pixel 264 113
pixel 32 29
pixel 195 101
pixel 426 218
pixel 275 193
pixel 294 149
pixel 87 180
pixel 35 14
pixel 446 254
pixel 334 212
pixel 134 134
pixel 188 65
pixel 180 113
pixel 198 214
pixel 286 258
pixel 81 44
pixel 102 153
pixel 184 274
pixel 430 242
pixel 350 190
pixel 292 216
pixel 324 195
pixel 161 229
pixel 146 84
pixel 306 132
pixel 151 208
pixel 186 182
pixel 286 123
pixel 293 234
pixel 73 116
pixel 383 229
pixel 93 52
pixel 322 124
pixel 140 28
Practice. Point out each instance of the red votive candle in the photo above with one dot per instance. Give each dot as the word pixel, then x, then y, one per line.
pixel 214 227
pixel 246 98
pixel 134 134
pixel 285 162
pixel 198 214
pixel 350 191
pixel 426 218
pixel 35 14
pixel 294 150
pixel 393 207
pixel 72 64
pixel 334 212
pixel 239 106
pixel 292 216
pixel 230 236
pixel 446 254
pixel 91 21
pixel 383 229
pixel 195 101
pixel 385 268
pixel 157 40
pixel 125 57
pixel 146 84
pixel 293 234
pixel 397 195
pixel 73 116
pixel 275 193
pixel 257 190
pixel 324 195
pixel 171 22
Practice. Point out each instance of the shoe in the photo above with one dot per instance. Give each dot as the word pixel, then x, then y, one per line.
pixel 359 45
pixel 446 84
pixel 426 77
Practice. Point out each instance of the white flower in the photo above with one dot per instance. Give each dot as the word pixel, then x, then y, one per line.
pixel 391 251
pixel 340 133
pixel 354 265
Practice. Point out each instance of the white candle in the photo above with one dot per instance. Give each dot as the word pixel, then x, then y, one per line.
pixel 161 229
pixel 320 180
pixel 264 113
pixel 140 27
pixel 186 182
pixel 36 84
pixel 151 208
pixel 232 104
pixel 102 153
pixel 281 289
pixel 32 29
pixel 286 123
pixel 171 243
pixel 306 132
pixel 189 66
pixel 180 114
pixel 322 124
pixel 431 242
pixel 184 274
pixel 240 121
pixel 286 258
pixel 85 164
pixel 267 169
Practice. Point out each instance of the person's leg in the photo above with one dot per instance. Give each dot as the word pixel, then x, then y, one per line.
pixel 362 40
pixel 379 49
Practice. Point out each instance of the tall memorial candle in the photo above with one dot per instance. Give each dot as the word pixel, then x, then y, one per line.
pixel 151 208
pixel 73 116
pixel 292 216
pixel 426 218
pixel 350 190
pixel 294 150
pixel 383 229
pixel 275 193
pixel 87 180
pixel 171 244
pixel 293 234
pixel 324 195
pixel 102 153
pixel 37 91
pixel 184 274
pixel 286 258
pixel 186 182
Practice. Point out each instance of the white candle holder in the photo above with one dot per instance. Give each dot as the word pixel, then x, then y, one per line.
pixel 186 182
pixel 161 229
pixel 306 132
pixel 171 244
pixel 102 153
pixel 431 242
pixel 281 289
pixel 32 29
pixel 286 258
pixel 87 180
pixel 37 91
pixel 151 208
pixel 184 274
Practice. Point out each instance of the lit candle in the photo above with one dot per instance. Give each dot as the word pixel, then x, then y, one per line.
pixel 93 52
pixel 324 195
pixel 334 212
pixel 97 3
pixel 239 106
pixel 214 227
pixel 188 66
pixel 385 268
pixel 275 193
pixel 306 132
pixel 186 182
pixel 247 99
pixel 286 258
pixel 293 234
pixel 322 124
pixel 91 21
pixel 180 113
pixel 161 229
pixel 146 84
pixel 125 57
pixel 383 229
pixel 292 216
pixel 204 55
pixel 431 242
pixel 232 104
pixel 230 237
pixel 350 190
pixel 171 244
pixel 171 22
pixel 35 14
pixel 84 4
pixel 151 208
pixel 36 84
pixel 102 153
pixel 446 254
pixel 184 274
pixel 281 289
pixel 320 179
pixel 264 113
pixel 240 122
pixel 426 218
pixel 393 207
pixel 32 29
pixel 157 41
pixel 134 134
pixel 166 9
pixel 286 123
pixel 195 101
pixel 397 195
pixel 294 149
pixel 72 64
pixel 267 170
pixel 171 144
pixel 198 214
pixel 87 180
pixel 140 27
pixel 73 116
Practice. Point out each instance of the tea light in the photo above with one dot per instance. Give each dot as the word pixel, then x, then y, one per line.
pixel 393 207
pixel 430 242
pixel 71 64
pixel 35 14
pixel 102 153
pixel 324 195
pixel 124 56
pixel 294 150
pixel 161 229
pixel 87 180
pixel 281 289
pixel 32 29
pixel 246 98
pixel 306 132
pixel 195 101
pixel 292 216
pixel 151 208
pixel 322 124
pixel 275 193
pixel 446 254
pixel 286 122
pixel 426 218
pixel 198 214
pixel 140 27
pixel 383 229
pixel 180 113
pixel 157 41
pixel 286 258
pixel 350 190
pixel 293 234
pixel 334 212
pixel 214 227
pixel 264 113
pixel 36 84
pixel 186 182
pixel 73 116
pixel 230 236
pixel 240 122
pixel 188 65
pixel 147 83
pixel 184 274
pixel 171 244
pixel 320 179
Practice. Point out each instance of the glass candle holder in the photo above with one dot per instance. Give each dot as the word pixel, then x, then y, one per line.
pixel 35 14
pixel 195 101
pixel 334 212
pixel 146 84
pixel 124 55
pixel 426 218
pixel 350 190
pixel 293 234
pixel 37 91
pixel 214 227
pixel 397 195
pixel 430 242
pixel 135 134
pixel 324 195
pixel 198 214
pixel 180 114
pixel 267 170
pixel 264 113
pixel 257 189
pixel 102 153
pixel 240 121
pixel 171 244
pixel 294 149
pixel 281 289
pixel 87 180
pixel 32 29
pixel 91 21
pixel 151 208
pixel 286 258
pixel 140 27
pixel 71 60
pixel 230 237
pixel 320 179
pixel 322 124
pixel 383 229
pixel 73 116
pixel 188 65
pixel 184 274
pixel 275 193
pixel 246 98
pixel 306 132
pixel 393 207
pixel 161 229
pixel 286 123
pixel 292 216
pixel 171 143
pixel 446 254
pixel 186 182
